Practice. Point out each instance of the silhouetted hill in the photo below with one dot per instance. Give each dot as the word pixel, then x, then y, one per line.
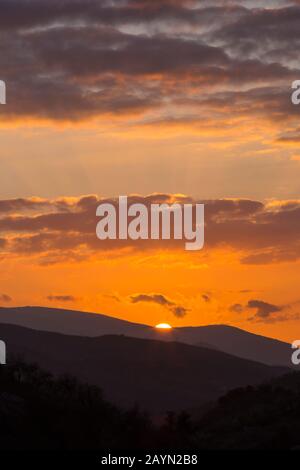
pixel 155 374
pixel 239 343
pixel 40 412
pixel 221 337
pixel 263 417
pixel 70 322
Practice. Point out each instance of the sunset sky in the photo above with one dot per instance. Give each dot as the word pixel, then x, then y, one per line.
pixel 165 101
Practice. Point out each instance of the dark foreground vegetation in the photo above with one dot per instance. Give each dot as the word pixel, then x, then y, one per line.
pixel 38 411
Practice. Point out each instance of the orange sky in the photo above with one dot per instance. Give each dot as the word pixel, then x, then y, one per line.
pixel 153 102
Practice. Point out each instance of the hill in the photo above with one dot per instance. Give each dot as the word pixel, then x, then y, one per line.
pixel 221 337
pixel 156 375
pixel 263 417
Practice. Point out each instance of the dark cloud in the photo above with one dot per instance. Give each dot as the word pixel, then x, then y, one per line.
pixel 178 310
pixel 264 310
pixel 62 298
pixel 263 29
pixel 155 298
pixel 5 298
pixel 66 229
pixel 82 59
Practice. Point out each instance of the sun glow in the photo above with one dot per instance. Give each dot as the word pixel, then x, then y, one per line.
pixel 163 326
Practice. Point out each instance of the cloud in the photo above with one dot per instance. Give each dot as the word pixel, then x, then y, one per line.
pixel 178 310
pixel 23 204
pixel 148 58
pixel 62 298
pixel 263 309
pixel 113 297
pixel 5 298
pixel 65 229
pixel 155 298
pixel 206 298
pixel 265 312
pixel 236 308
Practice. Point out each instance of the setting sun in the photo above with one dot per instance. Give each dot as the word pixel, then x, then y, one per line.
pixel 163 326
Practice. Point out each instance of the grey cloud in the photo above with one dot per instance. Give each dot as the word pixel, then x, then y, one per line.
pixel 178 310
pixel 263 309
pixel 264 233
pixel 265 312
pixel 155 298
pixel 71 60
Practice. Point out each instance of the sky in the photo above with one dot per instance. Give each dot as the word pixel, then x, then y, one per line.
pixel 163 101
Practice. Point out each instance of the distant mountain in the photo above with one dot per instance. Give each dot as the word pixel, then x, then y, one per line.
pixel 221 337
pixel 157 375
pixel 239 343
pixel 70 322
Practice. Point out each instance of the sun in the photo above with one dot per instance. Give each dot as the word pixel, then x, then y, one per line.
pixel 163 326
